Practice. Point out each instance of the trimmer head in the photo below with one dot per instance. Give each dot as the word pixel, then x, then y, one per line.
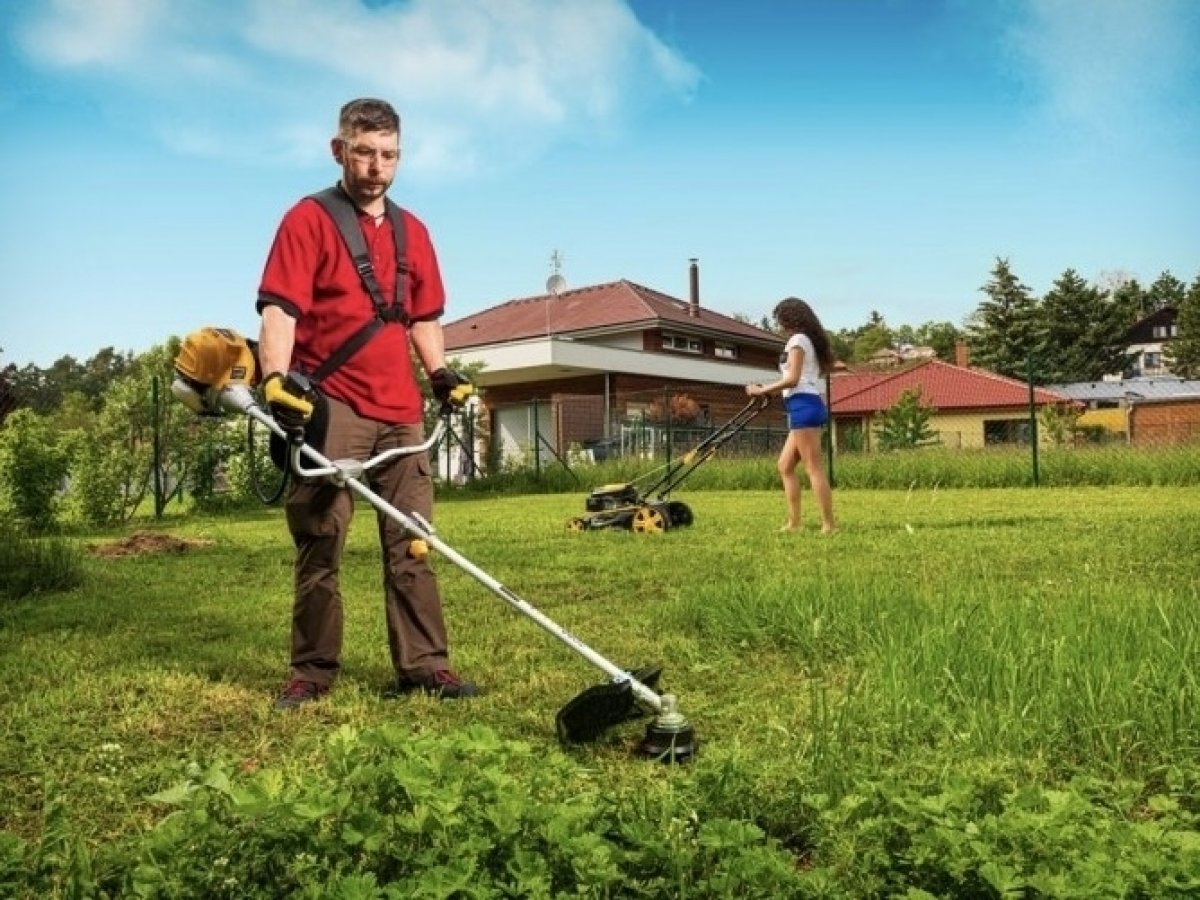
pixel 584 719
pixel 670 737
pixel 587 715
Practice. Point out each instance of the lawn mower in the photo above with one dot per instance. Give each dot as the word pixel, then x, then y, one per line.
pixel 215 374
pixel 650 509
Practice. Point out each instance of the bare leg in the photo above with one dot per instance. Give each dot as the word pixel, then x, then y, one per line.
pixel 789 457
pixel 808 446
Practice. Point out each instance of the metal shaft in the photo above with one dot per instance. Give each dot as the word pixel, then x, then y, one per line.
pixel 423 531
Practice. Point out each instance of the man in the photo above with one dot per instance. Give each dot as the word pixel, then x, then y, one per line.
pixel 314 301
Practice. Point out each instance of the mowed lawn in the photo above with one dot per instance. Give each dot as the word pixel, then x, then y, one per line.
pixel 1051 633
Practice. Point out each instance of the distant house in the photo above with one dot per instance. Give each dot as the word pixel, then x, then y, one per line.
pixel 1142 411
pixel 890 357
pixel 972 408
pixel 565 370
pixel 1147 339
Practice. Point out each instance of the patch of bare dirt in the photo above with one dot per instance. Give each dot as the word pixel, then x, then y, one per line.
pixel 142 542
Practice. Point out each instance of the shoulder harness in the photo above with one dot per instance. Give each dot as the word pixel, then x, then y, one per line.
pixel 342 210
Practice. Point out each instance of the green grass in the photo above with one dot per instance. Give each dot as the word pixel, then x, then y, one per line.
pixel 1033 640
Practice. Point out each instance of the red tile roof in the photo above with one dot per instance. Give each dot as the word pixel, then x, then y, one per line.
pixel 943 387
pixel 616 306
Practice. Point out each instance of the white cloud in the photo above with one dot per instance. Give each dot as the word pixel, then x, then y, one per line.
pixel 478 84
pixel 1111 67
pixel 75 33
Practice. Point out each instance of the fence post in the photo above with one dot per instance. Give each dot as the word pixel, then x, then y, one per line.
pixel 537 445
pixel 155 427
pixel 828 437
pixel 667 421
pixel 1033 432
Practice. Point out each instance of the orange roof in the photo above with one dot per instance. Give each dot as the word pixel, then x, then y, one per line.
pixel 615 306
pixel 943 387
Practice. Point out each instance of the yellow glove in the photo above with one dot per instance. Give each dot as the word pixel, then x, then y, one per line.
pixel 451 388
pixel 287 401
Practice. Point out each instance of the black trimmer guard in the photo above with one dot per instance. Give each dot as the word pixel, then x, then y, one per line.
pixel 586 716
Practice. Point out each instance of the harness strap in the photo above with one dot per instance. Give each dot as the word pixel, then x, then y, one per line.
pixel 342 210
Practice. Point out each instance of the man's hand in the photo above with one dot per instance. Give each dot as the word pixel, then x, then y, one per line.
pixel 287 400
pixel 450 388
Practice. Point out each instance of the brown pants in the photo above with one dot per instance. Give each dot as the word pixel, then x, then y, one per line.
pixel 318 516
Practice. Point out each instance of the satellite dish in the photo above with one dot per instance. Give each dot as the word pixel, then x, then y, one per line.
pixel 555 284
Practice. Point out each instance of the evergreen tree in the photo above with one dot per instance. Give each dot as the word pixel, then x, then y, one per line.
pixel 1108 337
pixel 1082 333
pixel 1064 314
pixel 1001 332
pixel 1131 300
pixel 1183 353
pixel 1167 290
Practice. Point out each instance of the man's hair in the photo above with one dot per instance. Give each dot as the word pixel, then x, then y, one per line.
pixel 367 114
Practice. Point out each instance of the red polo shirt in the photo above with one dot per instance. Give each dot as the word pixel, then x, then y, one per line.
pixel 309 273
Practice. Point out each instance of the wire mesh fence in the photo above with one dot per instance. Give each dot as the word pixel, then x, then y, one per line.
pixel 1053 440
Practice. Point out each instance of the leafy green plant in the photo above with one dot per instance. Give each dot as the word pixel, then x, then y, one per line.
pixel 34 460
pixel 905 424
pixel 395 814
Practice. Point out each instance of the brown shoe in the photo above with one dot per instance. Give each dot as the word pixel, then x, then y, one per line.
pixel 442 683
pixel 298 692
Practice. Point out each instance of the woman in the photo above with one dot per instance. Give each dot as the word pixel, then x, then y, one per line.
pixel 807 357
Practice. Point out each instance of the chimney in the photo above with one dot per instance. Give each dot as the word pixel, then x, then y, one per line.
pixel 962 356
pixel 694 285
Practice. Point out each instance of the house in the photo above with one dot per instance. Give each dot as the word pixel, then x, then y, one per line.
pixel 600 368
pixel 579 368
pixel 1142 411
pixel 1146 340
pixel 890 357
pixel 972 408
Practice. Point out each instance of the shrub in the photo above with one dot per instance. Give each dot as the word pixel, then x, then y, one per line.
pixel 33 463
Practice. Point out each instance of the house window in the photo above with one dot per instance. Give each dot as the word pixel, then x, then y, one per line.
pixel 1005 431
pixel 682 343
pixel 725 351
pixel 1151 361
pixel 1160 331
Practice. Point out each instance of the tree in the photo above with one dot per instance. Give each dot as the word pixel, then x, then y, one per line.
pixel 1001 331
pixel 905 424
pixel 842 342
pixel 1082 332
pixel 1167 290
pixel 943 337
pixel 1131 300
pixel 43 390
pixel 1061 354
pixel 33 463
pixel 1183 353
pixel 870 338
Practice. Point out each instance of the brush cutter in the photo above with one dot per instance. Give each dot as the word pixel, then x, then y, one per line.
pixel 215 369
pixel 650 509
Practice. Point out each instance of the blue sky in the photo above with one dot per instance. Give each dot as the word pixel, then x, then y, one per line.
pixel 864 154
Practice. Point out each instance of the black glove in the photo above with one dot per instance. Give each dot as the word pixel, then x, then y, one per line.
pixel 289 399
pixel 450 388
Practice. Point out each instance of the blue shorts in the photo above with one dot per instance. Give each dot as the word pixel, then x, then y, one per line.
pixel 805 411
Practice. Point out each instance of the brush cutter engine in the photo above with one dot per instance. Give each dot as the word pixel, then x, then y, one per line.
pixel 214 372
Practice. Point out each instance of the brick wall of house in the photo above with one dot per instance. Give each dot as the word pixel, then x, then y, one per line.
pixel 1164 424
